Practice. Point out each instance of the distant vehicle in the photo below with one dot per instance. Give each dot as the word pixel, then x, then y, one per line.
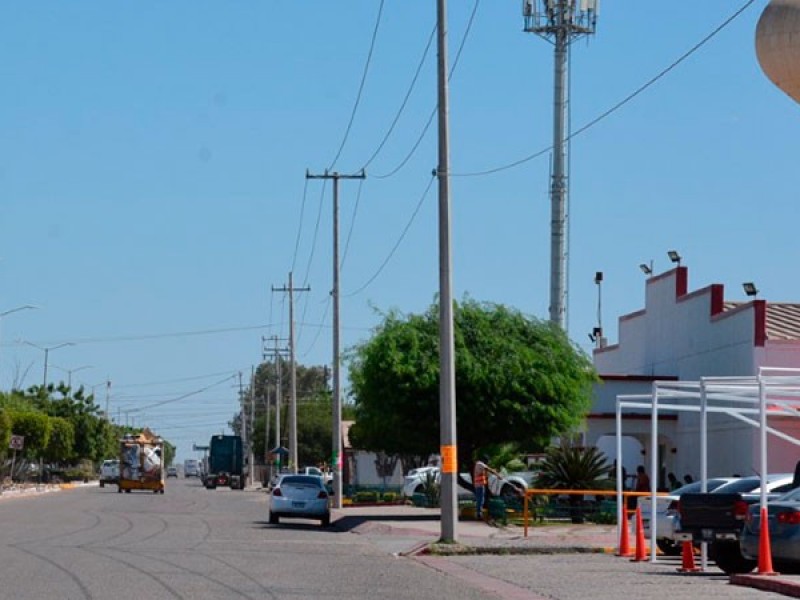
pixel 172 472
pixel 141 463
pixel 109 472
pixel 327 476
pixel 191 467
pixel 299 496
pixel 225 462
pixel 783 516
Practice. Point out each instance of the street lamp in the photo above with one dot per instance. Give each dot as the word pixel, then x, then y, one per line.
pixel 674 257
pixel 71 371
pixel 46 350
pixel 13 310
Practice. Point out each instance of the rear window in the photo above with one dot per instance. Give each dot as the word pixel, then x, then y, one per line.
pixel 302 480
pixel 741 487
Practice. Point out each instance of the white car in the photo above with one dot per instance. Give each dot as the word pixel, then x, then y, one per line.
pixel 109 472
pixel 667 513
pixel 299 496
pixel 509 485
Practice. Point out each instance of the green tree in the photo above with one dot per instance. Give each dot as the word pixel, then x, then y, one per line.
pixel 5 430
pixel 518 380
pixel 61 444
pixel 36 429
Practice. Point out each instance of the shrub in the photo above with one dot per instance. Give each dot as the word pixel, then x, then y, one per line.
pixel 389 497
pixel 366 497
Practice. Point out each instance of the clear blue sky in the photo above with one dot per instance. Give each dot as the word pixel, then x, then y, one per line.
pixel 153 154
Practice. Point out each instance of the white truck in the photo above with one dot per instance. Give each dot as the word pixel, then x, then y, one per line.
pixel 191 468
pixel 109 472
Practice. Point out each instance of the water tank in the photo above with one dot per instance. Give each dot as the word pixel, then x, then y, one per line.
pixel 778 45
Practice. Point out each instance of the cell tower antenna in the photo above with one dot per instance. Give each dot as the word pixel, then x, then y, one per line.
pixel 560 22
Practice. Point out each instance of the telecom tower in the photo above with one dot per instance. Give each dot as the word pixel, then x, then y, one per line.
pixel 560 22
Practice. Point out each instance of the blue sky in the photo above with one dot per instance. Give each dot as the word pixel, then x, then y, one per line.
pixel 153 159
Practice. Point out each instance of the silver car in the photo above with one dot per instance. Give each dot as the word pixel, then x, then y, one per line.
pixel 783 517
pixel 299 496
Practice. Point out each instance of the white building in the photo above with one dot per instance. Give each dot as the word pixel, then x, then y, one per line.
pixel 683 335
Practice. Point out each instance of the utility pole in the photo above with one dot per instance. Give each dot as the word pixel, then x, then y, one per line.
pixel 251 455
pixel 293 375
pixel 560 22
pixel 336 458
pixel 108 392
pixel 447 380
pixel 276 353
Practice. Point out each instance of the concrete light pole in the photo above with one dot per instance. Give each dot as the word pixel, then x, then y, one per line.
pixel 71 371
pixel 46 350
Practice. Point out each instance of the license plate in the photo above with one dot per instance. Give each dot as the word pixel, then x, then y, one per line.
pixel 707 534
pixel 298 504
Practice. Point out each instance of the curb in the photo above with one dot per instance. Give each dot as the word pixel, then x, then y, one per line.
pixel 464 550
pixel 768 583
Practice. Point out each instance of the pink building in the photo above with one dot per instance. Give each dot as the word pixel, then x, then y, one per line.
pixel 686 335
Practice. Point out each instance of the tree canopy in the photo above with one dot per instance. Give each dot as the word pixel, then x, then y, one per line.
pixel 518 380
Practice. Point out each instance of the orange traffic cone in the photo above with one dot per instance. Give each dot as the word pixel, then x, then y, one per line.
pixel 624 537
pixel 687 559
pixel 641 550
pixel 764 547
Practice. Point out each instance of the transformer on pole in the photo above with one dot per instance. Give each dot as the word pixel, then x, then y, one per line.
pixel 560 22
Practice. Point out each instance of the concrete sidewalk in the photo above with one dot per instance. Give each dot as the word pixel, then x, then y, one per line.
pixel 411 531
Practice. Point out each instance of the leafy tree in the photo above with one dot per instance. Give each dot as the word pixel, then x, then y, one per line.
pixel 518 380
pixel 36 429
pixel 5 430
pixel 61 444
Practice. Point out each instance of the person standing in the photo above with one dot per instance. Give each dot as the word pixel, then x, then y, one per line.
pixel 674 484
pixel 642 480
pixel 480 481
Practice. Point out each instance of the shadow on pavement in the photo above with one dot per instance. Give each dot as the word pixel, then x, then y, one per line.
pixel 350 522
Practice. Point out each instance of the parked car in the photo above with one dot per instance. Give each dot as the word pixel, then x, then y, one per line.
pixel 508 486
pixel 750 487
pixel 783 516
pixel 109 472
pixel 667 516
pixel 299 496
pixel 172 472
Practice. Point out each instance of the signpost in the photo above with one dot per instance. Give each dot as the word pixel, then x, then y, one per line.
pixel 17 442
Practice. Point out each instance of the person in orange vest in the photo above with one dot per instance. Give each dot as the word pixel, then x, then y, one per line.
pixel 480 481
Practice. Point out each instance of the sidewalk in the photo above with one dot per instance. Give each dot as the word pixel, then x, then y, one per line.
pixel 412 531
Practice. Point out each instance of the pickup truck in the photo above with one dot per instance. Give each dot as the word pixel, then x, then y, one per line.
pixel 718 519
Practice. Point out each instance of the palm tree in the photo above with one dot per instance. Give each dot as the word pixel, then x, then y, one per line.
pixel 573 468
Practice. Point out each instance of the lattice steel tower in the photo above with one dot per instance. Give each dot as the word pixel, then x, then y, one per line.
pixel 560 22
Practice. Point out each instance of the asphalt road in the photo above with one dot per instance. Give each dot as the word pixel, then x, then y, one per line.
pixel 192 543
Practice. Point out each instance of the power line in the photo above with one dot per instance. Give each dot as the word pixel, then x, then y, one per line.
pixel 652 81
pixel 299 225
pixel 397 244
pixel 361 86
pixel 405 100
pixel 184 396
pixel 433 112
pixel 352 223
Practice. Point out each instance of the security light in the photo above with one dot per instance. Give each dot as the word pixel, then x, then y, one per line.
pixel 750 288
pixel 646 269
pixel 598 277
pixel 674 257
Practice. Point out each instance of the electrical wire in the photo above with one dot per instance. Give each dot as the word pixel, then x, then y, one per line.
pixel 320 327
pixel 184 396
pixel 352 223
pixel 300 223
pixel 652 81
pixel 397 244
pixel 435 109
pixel 169 381
pixel 154 336
pixel 405 100
pixel 361 86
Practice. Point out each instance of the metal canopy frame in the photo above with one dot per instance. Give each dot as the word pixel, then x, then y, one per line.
pixel 773 392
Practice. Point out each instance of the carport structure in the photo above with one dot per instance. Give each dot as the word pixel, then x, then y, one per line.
pixel 752 400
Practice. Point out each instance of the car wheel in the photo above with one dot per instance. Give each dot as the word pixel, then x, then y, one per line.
pixel 274 519
pixel 119 491
pixel 729 558
pixel 326 520
pixel 509 492
pixel 669 547
pixel 420 489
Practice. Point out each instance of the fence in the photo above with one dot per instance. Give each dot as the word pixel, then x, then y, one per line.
pixel 575 505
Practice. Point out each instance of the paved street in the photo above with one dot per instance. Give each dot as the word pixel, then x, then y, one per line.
pixel 191 543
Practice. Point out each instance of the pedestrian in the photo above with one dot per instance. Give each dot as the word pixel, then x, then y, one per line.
pixel 642 480
pixel 674 483
pixel 688 478
pixel 480 480
pixel 613 474
pixel 796 478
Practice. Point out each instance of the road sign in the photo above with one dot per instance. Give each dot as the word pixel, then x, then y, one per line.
pixel 17 442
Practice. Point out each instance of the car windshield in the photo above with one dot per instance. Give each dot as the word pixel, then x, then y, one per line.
pixel 302 480
pixel 741 486
pixel 792 496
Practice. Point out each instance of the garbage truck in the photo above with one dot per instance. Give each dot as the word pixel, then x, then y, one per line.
pixel 225 462
pixel 141 463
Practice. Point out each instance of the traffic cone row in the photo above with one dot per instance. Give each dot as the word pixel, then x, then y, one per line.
pixel 624 537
